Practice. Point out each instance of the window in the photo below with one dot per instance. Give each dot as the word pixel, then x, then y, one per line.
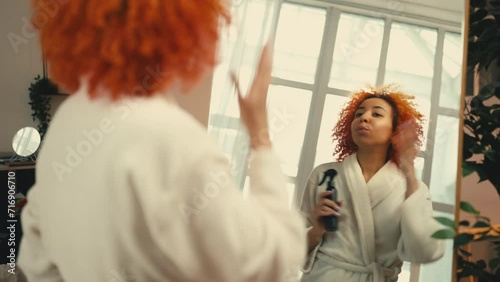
pixel 356 55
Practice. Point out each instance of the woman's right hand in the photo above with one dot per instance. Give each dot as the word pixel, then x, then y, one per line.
pixel 253 106
pixel 325 207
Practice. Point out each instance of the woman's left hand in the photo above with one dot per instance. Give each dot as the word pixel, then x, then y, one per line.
pixel 253 107
pixel 406 139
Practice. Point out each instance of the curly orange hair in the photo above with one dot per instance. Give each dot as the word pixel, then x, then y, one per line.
pixel 404 111
pixel 128 47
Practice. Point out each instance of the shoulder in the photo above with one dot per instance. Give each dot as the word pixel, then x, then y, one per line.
pixel 157 117
pixel 156 128
pixel 320 169
pixel 317 173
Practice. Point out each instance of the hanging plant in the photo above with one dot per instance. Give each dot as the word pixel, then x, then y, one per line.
pixel 40 103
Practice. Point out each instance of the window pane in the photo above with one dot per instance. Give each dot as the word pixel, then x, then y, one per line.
pixel 444 160
pixel 288 110
pixel 423 105
pixel 226 138
pixel 298 41
pixel 239 49
pixel 419 167
pixel 404 276
pixel 357 52
pixel 410 58
pixel 441 269
pixel 332 108
pixel 451 79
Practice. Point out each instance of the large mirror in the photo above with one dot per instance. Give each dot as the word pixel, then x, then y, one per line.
pixel 324 50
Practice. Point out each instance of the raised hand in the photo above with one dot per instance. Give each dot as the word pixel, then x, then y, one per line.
pixel 405 140
pixel 253 105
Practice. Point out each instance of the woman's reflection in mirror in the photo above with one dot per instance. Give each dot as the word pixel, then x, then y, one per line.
pixel 384 212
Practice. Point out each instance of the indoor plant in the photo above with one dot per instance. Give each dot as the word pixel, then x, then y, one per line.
pixel 482 111
pixel 480 138
pixel 40 103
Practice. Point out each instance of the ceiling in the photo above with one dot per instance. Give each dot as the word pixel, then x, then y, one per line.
pixel 439 4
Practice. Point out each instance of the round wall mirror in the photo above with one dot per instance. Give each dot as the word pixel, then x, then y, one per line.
pixel 26 141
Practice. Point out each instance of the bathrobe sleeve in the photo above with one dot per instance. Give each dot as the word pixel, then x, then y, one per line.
pixel 33 257
pixel 417 226
pixel 210 233
pixel 309 202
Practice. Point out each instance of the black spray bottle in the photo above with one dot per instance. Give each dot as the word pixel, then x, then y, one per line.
pixel 331 222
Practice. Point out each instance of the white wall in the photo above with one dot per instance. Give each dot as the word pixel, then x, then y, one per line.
pixel 21 62
pixel 19 65
pixel 482 196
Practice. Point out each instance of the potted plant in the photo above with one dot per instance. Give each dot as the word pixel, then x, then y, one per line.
pixel 481 230
pixel 482 111
pixel 40 103
pixel 480 138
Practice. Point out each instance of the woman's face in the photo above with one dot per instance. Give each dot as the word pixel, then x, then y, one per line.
pixel 372 124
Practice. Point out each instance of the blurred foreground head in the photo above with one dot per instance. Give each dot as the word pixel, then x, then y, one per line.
pixel 128 47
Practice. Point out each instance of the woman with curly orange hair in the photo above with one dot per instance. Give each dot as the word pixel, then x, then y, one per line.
pixel 129 186
pixel 367 213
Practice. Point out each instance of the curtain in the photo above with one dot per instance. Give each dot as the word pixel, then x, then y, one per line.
pixel 253 24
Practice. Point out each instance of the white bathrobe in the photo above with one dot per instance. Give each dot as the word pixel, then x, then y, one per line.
pixel 137 191
pixel 377 230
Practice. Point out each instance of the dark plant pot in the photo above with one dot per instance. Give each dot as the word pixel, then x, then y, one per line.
pixel 47 87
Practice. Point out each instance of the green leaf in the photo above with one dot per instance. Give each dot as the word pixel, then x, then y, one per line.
pixel 481 264
pixel 494 263
pixel 464 223
pixel 467 169
pixel 482 174
pixel 466 272
pixel 464 252
pixel 484 218
pixel 463 239
pixel 466 207
pixel 481 224
pixel 445 221
pixel 491 155
pixel 478 15
pixel 444 234
pixel 478 3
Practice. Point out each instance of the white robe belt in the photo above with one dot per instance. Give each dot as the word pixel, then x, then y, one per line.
pixel 379 273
